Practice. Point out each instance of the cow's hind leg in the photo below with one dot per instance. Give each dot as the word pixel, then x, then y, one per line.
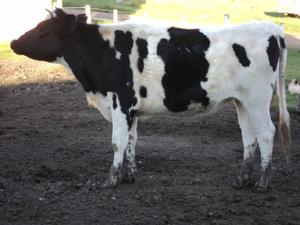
pixel 129 167
pixel 264 130
pixel 244 177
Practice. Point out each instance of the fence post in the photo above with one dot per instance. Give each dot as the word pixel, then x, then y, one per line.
pixel 226 19
pixel 145 14
pixel 88 13
pixel 115 16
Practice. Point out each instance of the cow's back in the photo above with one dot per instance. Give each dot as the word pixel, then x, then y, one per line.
pixel 241 59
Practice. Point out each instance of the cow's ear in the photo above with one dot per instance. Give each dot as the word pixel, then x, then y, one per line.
pixel 67 23
pixel 82 18
pixel 59 12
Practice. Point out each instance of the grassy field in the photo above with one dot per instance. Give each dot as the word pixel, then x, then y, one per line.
pixel 292 72
pixel 129 6
pixel 212 12
pixel 199 12
pixel 6 52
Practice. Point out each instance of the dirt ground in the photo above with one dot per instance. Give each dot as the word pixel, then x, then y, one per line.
pixel 55 153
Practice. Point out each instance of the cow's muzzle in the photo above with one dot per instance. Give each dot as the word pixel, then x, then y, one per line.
pixel 15 47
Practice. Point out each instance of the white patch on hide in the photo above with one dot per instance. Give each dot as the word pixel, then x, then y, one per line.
pixel 100 102
pixel 120 133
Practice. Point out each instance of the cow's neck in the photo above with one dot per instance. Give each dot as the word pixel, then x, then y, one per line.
pixel 88 55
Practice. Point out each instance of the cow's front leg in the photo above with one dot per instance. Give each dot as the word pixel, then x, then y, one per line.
pixel 120 136
pixel 129 167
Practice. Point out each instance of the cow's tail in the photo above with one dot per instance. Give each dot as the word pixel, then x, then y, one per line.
pixel 284 118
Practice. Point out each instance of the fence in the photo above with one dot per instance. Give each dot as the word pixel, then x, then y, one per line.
pixel 94 14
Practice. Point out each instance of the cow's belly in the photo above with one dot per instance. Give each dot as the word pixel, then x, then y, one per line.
pixel 193 109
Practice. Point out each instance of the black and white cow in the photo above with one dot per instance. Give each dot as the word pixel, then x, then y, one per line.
pixel 131 70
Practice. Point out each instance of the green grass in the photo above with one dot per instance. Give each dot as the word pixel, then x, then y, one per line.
pixel 129 6
pixel 6 52
pixel 212 12
pixel 199 12
pixel 292 72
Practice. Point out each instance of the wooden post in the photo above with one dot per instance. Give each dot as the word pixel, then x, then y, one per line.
pixel 145 14
pixel 88 13
pixel 226 19
pixel 115 16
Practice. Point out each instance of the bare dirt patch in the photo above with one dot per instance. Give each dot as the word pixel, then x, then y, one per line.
pixel 55 152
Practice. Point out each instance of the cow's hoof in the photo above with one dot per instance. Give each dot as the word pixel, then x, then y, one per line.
pixel 261 188
pixel 128 178
pixel 238 184
pixel 242 183
pixel 110 183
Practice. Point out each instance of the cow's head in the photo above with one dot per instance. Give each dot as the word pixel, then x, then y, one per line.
pixel 45 41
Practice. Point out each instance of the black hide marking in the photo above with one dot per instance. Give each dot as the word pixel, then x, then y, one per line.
pixel 273 52
pixel 124 43
pixel 114 101
pixel 143 92
pixel 185 67
pixel 241 54
pixel 95 65
pixel 142 45
pixel 282 42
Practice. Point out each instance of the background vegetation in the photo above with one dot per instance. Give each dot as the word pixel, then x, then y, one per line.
pixel 129 6
pixel 199 12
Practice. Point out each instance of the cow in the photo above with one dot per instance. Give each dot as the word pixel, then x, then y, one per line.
pixel 133 70
pixel 294 87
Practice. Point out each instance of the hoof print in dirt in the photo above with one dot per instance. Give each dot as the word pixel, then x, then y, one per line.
pixel 261 189
pixel 128 178
pixel 243 183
